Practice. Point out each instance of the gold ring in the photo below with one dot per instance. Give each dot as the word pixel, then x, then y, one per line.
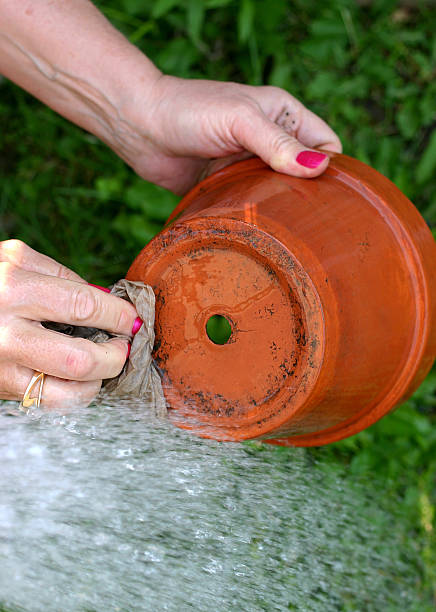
pixel 27 401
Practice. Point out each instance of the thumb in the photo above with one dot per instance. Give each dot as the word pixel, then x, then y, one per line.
pixel 283 152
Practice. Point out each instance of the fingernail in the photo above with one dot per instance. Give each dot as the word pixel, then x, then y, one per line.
pixel 136 326
pixel 129 348
pixel 101 288
pixel 310 159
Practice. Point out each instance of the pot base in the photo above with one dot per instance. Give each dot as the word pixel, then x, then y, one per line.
pixel 271 360
pixel 328 288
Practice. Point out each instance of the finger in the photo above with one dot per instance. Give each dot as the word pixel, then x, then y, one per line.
pixel 283 152
pixel 46 298
pixel 57 394
pixel 31 345
pixel 290 114
pixel 20 254
pixel 312 131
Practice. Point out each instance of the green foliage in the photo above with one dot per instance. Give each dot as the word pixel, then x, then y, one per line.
pixel 367 68
pixel 427 164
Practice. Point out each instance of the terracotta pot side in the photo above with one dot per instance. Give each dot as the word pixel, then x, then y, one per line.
pixel 329 289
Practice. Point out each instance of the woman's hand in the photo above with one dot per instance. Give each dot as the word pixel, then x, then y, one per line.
pixel 173 134
pixel 169 130
pixel 34 288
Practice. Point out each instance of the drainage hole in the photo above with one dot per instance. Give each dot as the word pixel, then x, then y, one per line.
pixel 218 329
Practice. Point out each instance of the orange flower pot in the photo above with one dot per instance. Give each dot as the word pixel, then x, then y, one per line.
pixel 328 285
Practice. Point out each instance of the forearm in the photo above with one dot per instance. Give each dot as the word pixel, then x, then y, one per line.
pixel 167 129
pixel 69 56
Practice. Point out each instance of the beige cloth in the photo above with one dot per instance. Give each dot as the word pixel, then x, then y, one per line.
pixel 140 377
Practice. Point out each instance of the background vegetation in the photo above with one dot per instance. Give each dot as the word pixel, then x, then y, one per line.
pixel 368 68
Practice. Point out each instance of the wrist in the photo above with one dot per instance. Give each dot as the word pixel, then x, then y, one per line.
pixel 137 135
pixel 124 100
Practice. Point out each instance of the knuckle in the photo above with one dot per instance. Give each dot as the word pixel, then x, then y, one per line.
pixel 8 282
pixel 13 251
pixel 283 142
pixel 248 107
pixel 64 395
pixel 272 95
pixel 283 148
pixel 79 364
pixel 244 117
pixel 8 388
pixel 7 340
pixel 64 272
pixel 243 105
pixel 84 304
pixel 272 90
pixel 123 319
pixel 88 392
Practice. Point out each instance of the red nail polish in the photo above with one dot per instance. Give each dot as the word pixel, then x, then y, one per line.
pixel 105 289
pixel 310 159
pixel 136 326
pixel 129 348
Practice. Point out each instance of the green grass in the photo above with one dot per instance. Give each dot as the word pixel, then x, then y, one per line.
pixel 369 70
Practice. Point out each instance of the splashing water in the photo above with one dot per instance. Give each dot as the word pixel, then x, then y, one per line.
pixel 110 510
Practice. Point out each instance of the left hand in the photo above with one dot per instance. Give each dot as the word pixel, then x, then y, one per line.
pixel 171 131
pixel 187 129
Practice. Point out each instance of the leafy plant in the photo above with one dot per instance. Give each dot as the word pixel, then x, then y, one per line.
pixel 368 68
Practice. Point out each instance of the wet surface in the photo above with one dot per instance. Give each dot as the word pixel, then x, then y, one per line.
pixel 108 509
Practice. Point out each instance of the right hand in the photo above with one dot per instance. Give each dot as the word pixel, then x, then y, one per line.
pixel 35 288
